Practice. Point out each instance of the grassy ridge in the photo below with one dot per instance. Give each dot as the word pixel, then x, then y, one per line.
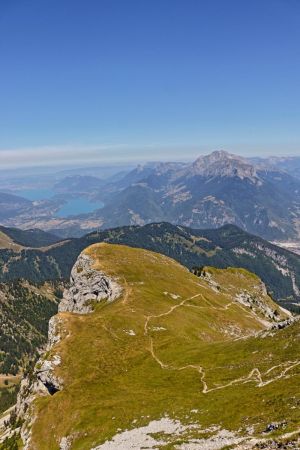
pixel 174 345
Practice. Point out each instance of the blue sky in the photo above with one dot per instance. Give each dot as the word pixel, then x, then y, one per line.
pixel 148 79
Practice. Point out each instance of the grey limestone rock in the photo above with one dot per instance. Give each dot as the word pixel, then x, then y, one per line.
pixel 87 286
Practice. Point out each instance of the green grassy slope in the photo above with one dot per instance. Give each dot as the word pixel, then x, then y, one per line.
pixel 172 345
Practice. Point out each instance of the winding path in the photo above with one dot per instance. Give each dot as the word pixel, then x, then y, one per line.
pixel 254 375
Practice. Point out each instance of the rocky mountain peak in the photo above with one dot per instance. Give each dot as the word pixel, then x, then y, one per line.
pixel 224 164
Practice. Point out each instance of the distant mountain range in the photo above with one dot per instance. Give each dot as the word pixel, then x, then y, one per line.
pixel 214 190
pixel 261 196
pixel 289 164
pixel 228 246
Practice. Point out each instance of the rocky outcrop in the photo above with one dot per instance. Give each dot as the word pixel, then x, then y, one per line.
pixel 46 375
pixel 257 303
pixel 256 299
pixel 285 323
pixel 42 382
pixel 65 444
pixel 87 286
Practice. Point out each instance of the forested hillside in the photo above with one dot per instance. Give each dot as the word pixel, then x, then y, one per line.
pixel 223 247
pixel 25 310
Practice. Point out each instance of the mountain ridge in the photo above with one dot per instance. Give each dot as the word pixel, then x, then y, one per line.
pixel 33 238
pixel 216 189
pixel 223 164
pixel 260 197
pixel 224 247
pixel 156 352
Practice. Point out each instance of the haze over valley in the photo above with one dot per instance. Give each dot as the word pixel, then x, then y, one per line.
pixel 259 195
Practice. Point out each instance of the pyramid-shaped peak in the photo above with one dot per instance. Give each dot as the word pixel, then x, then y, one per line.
pixel 224 164
pixel 221 155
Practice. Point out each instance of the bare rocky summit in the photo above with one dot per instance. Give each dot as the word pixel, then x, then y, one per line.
pixel 224 164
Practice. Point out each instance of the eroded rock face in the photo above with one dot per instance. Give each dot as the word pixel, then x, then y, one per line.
pixel 42 382
pixel 87 286
pixel 46 375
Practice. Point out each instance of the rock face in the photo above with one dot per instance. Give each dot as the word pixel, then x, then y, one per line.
pixel 87 286
pixel 42 382
pixel 46 376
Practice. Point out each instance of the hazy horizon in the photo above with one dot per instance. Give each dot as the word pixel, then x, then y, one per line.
pixel 75 157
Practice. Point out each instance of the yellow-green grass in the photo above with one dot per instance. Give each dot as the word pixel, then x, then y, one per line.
pixel 114 381
pixel 7 243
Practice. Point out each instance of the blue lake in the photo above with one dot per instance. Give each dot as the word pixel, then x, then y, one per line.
pixel 72 207
pixel 78 206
